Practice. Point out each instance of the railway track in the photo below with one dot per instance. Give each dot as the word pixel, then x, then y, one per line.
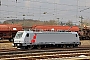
pixel 46 54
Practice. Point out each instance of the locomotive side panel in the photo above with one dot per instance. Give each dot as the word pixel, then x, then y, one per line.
pixel 29 39
pixel 57 38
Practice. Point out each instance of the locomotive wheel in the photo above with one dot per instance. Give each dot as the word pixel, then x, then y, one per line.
pixel 76 45
pixel 61 46
pixel 45 46
pixel 30 47
pixel 39 47
pixel 56 45
pixel 71 46
pixel 22 48
pixel 64 46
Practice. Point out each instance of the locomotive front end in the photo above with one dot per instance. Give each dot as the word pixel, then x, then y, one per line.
pixel 19 39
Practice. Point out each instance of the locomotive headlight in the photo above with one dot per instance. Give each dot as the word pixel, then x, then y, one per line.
pixel 13 45
pixel 18 44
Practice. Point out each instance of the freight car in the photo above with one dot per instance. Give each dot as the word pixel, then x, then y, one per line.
pixel 54 28
pixel 84 32
pixel 8 31
pixel 30 39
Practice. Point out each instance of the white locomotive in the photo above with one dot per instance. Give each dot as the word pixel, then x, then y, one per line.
pixel 30 39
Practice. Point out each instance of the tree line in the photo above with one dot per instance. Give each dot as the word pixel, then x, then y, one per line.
pixel 31 22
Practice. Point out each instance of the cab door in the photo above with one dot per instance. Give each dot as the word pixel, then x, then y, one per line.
pixel 27 38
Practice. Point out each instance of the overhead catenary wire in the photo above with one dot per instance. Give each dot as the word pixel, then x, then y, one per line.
pixel 53 11
pixel 0 2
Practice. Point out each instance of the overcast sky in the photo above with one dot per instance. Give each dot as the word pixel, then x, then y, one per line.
pixel 45 10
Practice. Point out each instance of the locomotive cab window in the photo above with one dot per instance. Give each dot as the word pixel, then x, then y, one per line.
pixel 27 35
pixel 19 35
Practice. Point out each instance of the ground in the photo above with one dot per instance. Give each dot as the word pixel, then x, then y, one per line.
pixel 8 45
pixel 85 42
pixel 5 44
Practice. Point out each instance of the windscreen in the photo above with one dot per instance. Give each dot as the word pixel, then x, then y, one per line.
pixel 19 35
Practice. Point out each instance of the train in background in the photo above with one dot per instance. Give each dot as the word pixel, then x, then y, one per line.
pixel 32 39
pixel 8 31
pixel 54 28
pixel 84 32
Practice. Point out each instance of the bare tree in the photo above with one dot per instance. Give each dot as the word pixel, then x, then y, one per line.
pixel 5 22
pixel 69 23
